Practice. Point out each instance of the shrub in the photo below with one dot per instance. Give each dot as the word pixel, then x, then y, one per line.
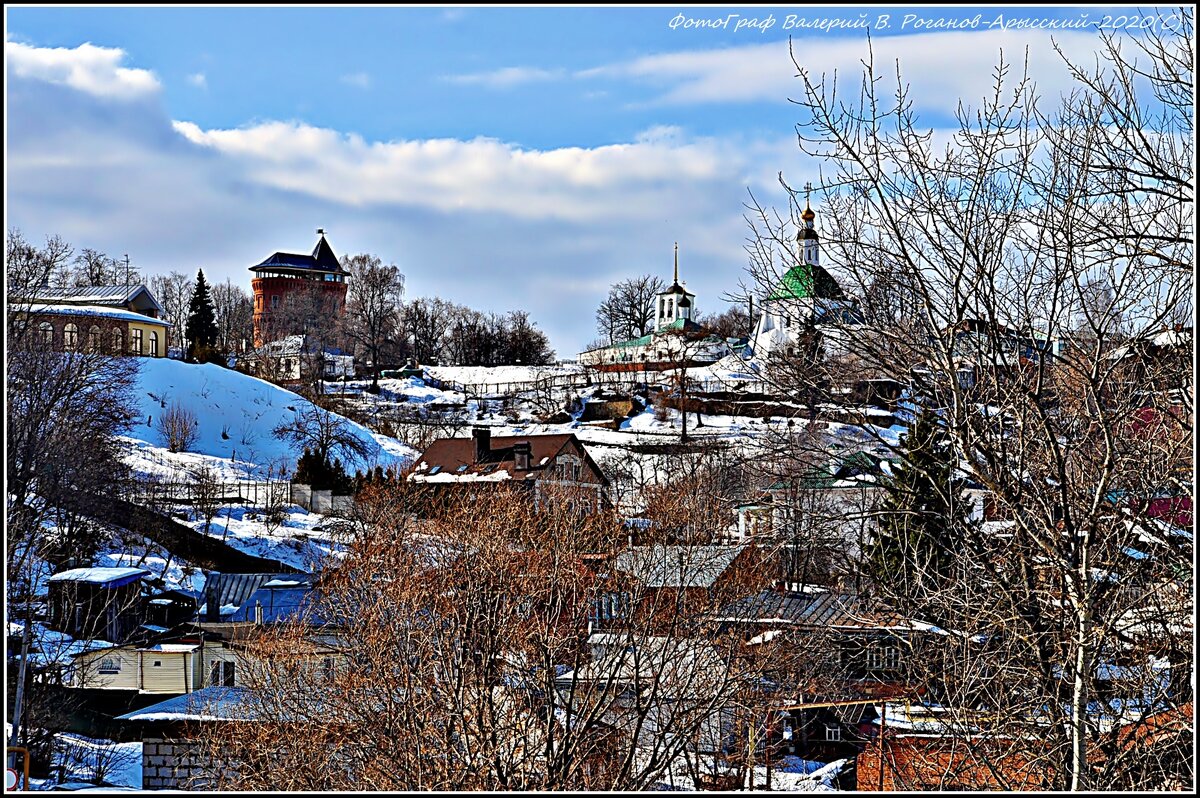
pixel 179 427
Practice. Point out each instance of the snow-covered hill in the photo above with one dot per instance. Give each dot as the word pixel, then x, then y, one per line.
pixel 236 415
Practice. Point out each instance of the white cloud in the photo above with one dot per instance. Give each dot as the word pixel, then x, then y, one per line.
pixel 198 80
pixel 87 68
pixel 942 66
pixel 507 77
pixel 660 169
pixel 360 80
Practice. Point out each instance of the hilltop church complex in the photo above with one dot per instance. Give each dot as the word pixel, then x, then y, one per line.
pixel 805 299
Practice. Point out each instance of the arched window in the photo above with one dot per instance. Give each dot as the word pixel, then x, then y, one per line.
pixel 153 344
pixel 46 334
pixel 93 339
pixel 70 337
pixel 118 341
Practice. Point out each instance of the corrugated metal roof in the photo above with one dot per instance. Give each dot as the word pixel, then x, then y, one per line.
pixel 677 566
pixel 816 607
pixel 225 590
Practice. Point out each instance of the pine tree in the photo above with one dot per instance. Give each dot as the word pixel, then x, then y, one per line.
pixel 921 520
pixel 201 331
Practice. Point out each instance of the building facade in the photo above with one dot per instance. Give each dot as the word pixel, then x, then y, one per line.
pixel 115 320
pixel 294 294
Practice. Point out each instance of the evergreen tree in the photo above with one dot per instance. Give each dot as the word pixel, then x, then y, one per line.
pixel 921 520
pixel 201 331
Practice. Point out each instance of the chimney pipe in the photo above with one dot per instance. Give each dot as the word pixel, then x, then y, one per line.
pixel 521 451
pixel 212 608
pixel 483 443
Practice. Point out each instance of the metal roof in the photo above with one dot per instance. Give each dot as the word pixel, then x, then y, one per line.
pixel 677 566
pixel 811 606
pixel 226 590
pixel 322 259
pixel 94 295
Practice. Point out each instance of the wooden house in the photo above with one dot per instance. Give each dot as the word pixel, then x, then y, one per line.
pixel 549 469
pixel 96 603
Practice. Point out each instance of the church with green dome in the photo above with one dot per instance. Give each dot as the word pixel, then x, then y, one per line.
pixel 806 297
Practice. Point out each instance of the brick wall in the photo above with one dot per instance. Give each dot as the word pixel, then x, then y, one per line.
pixel 173 764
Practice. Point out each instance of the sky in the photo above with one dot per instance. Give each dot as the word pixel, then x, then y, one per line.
pixel 503 158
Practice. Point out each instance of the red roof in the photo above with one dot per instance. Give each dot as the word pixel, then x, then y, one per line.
pixel 455 457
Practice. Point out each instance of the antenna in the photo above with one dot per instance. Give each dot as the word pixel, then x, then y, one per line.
pixel 676 262
pixel 127 273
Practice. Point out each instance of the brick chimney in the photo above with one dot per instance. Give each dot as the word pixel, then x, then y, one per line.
pixel 483 443
pixel 521 451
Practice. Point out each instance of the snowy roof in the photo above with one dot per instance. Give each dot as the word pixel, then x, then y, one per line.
pixel 278 604
pixel 97 295
pixel 453 460
pixel 209 704
pixel 94 310
pixel 109 577
pixel 227 592
pixel 677 566
pixel 172 648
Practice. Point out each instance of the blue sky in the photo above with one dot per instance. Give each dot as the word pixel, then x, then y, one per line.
pixel 503 158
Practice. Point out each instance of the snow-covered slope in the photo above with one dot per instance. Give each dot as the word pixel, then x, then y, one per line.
pixel 236 415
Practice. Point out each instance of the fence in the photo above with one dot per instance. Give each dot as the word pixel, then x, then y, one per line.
pixel 256 493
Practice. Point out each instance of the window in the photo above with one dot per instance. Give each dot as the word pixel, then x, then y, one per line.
pixel 221 674
pixel 118 342
pixel 274 301
pixel 110 665
pixel 93 341
pixel 610 607
pixel 135 341
pixel 71 337
pixel 158 663
pixel 153 344
pixel 327 668
pixel 833 733
pixel 883 656
pixel 46 334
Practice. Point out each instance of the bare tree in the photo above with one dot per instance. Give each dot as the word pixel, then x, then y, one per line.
pixel 173 291
pixel 628 310
pixel 460 663
pixel 323 433
pixel 373 306
pixel 998 239
pixel 235 316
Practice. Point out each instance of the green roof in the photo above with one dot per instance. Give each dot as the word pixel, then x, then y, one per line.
pixel 807 281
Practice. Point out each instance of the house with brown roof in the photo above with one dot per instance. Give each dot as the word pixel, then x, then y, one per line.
pixel 551 468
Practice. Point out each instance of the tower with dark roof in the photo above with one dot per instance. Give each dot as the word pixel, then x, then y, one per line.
pixel 284 276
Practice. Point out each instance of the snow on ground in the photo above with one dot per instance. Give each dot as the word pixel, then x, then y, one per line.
pixel 236 415
pixel 299 541
pixel 491 375
pixel 89 764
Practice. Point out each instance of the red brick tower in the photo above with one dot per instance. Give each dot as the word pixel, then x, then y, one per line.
pixel 280 283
